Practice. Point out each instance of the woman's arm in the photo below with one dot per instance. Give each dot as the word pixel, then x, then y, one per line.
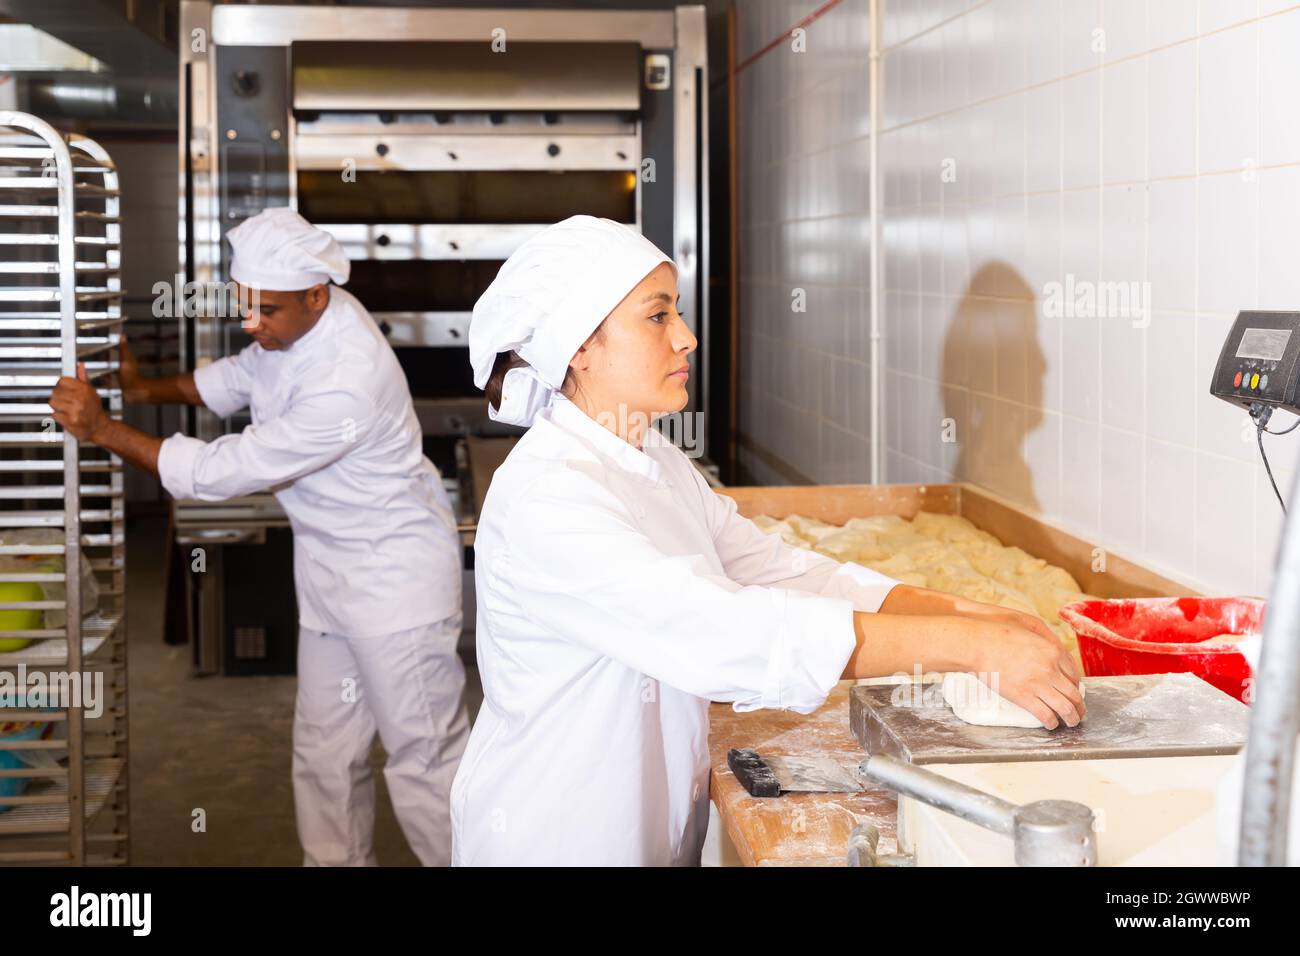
pixel 581 569
pixel 908 599
pixel 913 628
pixel 752 556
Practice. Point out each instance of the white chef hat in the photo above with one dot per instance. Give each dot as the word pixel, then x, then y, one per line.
pixel 548 298
pixel 280 251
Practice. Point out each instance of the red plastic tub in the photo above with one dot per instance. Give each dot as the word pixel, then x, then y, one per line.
pixel 1161 636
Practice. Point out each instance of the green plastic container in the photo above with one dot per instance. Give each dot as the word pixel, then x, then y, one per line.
pixel 19 619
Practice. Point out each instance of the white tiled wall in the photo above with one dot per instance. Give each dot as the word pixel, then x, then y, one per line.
pixel 804 243
pixel 1150 143
pixel 1112 141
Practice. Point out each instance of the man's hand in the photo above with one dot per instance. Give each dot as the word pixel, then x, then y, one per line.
pixel 77 406
pixel 135 389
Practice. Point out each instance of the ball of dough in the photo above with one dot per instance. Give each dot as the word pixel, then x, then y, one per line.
pixel 975 702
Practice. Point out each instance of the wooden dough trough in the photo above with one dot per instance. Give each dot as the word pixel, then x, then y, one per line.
pixel 1118 577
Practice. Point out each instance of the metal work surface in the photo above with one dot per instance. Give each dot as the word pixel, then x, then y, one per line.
pixel 1139 715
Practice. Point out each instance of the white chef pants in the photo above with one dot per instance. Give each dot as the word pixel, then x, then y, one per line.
pixel 408 686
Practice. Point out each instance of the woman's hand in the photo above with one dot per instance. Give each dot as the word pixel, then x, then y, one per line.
pixel 992 612
pixel 1032 669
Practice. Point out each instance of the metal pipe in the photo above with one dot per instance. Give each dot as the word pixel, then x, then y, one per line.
pixel 873 277
pixel 1274 716
pixel 983 809
pixel 1043 833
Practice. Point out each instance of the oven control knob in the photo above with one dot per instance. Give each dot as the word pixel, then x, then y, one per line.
pixel 382 240
pixel 553 150
pixel 382 149
pixel 385 328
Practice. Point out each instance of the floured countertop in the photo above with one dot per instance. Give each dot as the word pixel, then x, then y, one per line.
pixel 800 829
pixel 1136 715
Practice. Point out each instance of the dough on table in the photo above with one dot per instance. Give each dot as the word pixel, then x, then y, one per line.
pixel 915 578
pixel 846 544
pixel 974 702
pixel 944 553
pixel 943 527
pixel 810 529
pixel 773 526
pixel 880 524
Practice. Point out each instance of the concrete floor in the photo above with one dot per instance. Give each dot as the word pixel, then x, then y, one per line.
pixel 220 744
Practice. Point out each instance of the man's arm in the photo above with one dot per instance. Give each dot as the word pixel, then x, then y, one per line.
pixel 135 446
pixel 169 390
pixel 317 430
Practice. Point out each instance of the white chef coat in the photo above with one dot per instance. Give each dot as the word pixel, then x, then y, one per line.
pixel 335 436
pixel 617 595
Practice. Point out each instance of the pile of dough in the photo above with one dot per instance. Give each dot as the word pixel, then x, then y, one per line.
pixel 788 535
pixel 974 702
pixel 946 553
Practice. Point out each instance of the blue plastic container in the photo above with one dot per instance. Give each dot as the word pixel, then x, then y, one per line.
pixel 10 759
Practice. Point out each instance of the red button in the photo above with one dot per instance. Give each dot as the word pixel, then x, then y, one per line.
pixel 1236 382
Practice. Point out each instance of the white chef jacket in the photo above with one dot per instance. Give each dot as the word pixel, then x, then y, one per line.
pixel 617 595
pixel 335 436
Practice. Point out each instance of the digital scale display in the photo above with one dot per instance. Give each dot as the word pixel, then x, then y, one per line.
pixel 1261 373
pixel 1266 344
pixel 1259 363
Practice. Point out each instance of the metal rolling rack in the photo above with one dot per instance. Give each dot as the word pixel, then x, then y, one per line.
pixel 60 304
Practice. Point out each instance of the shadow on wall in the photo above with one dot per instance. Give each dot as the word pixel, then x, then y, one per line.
pixel 992 383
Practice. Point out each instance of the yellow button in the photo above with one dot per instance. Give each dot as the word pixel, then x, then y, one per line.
pixel 1254 381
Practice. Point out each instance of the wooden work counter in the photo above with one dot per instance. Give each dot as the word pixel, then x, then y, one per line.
pixel 804 829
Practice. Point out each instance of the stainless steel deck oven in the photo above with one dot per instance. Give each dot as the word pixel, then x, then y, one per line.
pixel 431 143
